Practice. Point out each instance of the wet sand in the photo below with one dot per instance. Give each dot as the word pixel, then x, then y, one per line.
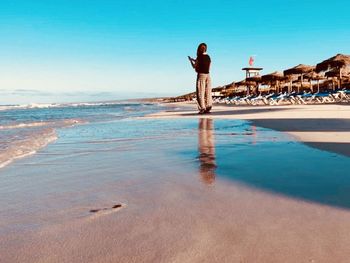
pixel 162 196
pixel 182 222
pixel 326 127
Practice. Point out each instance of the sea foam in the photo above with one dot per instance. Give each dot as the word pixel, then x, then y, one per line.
pixel 32 137
pixel 26 146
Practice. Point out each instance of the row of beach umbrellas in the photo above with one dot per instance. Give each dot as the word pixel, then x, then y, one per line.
pixel 334 67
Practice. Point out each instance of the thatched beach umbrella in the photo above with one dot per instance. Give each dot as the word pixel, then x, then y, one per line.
pixel 243 83
pixel 315 76
pixel 334 73
pixel 225 90
pixel 231 85
pixel 274 77
pixel 254 81
pixel 338 62
pixel 218 89
pixel 299 70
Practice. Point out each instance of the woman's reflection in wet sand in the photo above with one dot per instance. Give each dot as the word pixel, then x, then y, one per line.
pixel 206 149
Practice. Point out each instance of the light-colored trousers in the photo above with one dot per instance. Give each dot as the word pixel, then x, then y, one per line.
pixel 203 90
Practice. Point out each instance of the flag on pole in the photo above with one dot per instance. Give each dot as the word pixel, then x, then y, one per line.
pixel 251 61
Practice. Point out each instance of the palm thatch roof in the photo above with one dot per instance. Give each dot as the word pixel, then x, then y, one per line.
pixel 299 69
pixel 346 77
pixel 229 91
pixel 231 85
pixel 332 73
pixel 338 61
pixel 313 76
pixel 241 83
pixel 274 76
pixel 218 89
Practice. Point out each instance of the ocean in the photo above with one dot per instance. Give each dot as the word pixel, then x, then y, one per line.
pixel 25 129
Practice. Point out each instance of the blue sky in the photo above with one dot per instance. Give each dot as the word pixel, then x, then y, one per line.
pixel 140 47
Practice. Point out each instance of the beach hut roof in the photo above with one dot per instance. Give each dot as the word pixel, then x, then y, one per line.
pixel 299 69
pixel 338 61
pixel 274 76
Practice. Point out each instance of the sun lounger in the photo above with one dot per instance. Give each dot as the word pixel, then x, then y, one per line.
pixel 305 98
pixel 323 97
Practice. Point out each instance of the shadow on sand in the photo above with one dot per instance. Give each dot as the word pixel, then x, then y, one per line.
pixel 287 168
pixel 312 125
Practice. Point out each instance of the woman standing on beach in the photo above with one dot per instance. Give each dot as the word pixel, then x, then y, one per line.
pixel 203 86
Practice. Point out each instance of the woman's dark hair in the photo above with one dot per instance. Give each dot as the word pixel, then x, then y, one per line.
pixel 202 48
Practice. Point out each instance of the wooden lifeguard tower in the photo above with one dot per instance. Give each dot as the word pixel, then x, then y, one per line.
pixel 251 73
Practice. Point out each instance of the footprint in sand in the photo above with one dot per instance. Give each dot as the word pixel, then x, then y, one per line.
pixel 107 210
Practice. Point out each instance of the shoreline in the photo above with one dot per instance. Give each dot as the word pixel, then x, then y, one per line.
pixel 326 126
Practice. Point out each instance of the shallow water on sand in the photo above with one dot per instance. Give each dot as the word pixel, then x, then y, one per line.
pixel 25 129
pixel 92 155
pixel 101 164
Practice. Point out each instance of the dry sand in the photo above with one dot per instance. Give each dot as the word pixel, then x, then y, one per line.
pixel 326 127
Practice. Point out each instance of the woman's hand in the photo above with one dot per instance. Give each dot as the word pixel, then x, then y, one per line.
pixel 192 61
